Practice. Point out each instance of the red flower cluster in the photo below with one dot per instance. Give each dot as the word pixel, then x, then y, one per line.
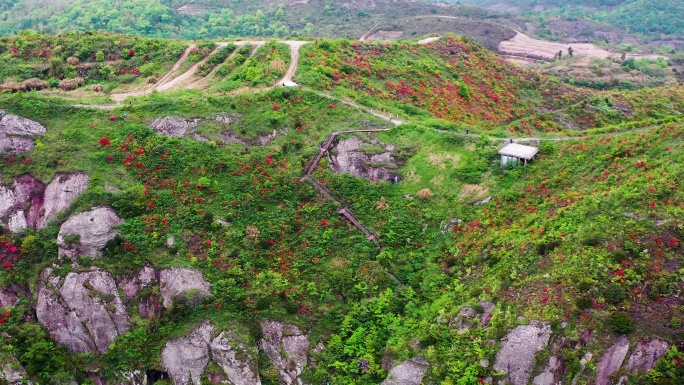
pixel 105 142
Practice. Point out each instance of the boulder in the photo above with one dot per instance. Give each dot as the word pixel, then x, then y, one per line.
pixel 22 202
pixel 173 126
pixel 645 355
pixel 462 319
pixel 409 372
pixel 8 199
pixel 486 316
pixel 131 286
pixel 611 361
pixel 94 227
pixel 185 358
pixel 8 297
pixel 516 357
pixel 548 376
pixel 286 345
pixel 349 156
pixel 17 222
pixel 11 372
pixel 82 311
pixel 17 134
pixel 179 281
pixel 235 359
pixel 59 194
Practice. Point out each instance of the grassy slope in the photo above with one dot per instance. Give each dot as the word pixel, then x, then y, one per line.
pixel 550 227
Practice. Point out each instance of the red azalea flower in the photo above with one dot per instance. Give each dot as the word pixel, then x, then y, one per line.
pixel 105 142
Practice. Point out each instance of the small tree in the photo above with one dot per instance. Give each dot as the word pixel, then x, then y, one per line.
pixel 621 323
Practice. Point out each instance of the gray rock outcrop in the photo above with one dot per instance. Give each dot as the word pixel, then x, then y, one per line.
pixel 645 355
pixel 173 126
pixel 518 350
pixel 235 359
pixel 179 281
pixel 185 358
pixel 349 156
pixel 94 227
pixel 82 311
pixel 149 306
pixel 12 372
pixel 286 345
pixel 548 376
pixel 611 361
pixel 21 202
pixel 131 286
pixel 59 195
pixel 409 372
pixel 17 134
pixel 8 296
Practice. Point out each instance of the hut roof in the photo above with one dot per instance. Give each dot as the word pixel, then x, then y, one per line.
pixel 519 151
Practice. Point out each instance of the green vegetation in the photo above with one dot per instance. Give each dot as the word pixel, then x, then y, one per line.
pixel 31 61
pixel 587 236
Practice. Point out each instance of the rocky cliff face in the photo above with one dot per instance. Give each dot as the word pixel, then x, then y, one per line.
pixel 517 357
pixel 30 203
pixel 235 358
pixel 59 195
pixel 82 311
pixel 185 359
pixel 17 134
pixel 287 347
pixel 94 228
pixel 518 350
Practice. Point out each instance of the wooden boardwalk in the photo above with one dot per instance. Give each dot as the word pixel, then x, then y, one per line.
pixel 324 191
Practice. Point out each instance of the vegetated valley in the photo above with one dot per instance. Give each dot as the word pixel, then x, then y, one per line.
pixel 175 212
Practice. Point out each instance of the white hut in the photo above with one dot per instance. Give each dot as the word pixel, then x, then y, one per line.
pixel 514 154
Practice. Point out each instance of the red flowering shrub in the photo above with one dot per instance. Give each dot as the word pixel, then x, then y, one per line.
pixel 112 118
pixel 105 142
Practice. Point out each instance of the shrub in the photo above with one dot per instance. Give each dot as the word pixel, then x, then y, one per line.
pixel 34 84
pixel 424 194
pixel 659 288
pixel 621 323
pixel 71 240
pixel 70 84
pixel 72 60
pixel 97 88
pixel 615 293
pixel 252 232
pixel 585 285
pixel 583 303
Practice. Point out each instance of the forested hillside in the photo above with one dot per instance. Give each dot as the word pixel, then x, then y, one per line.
pixel 648 17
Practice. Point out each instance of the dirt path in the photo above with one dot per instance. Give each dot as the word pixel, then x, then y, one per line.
pixel 428 40
pixel 183 79
pixel 118 98
pixel 294 60
pixel 365 35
